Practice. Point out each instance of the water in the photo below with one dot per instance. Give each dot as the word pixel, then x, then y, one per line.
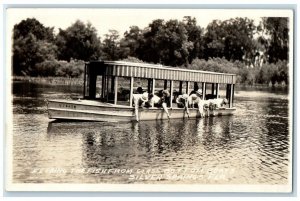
pixel 250 147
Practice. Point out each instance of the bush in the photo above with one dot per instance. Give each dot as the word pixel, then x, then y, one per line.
pixel 273 73
pixel 283 73
pixel 47 68
pixel 133 59
pixel 268 73
pixel 74 68
pixel 216 65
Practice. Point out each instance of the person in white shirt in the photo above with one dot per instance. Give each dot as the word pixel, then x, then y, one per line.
pixel 219 102
pixel 212 104
pixel 165 101
pixel 182 102
pixel 194 97
pixel 139 100
pixel 155 100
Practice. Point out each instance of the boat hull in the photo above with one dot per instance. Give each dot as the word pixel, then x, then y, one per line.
pixel 96 111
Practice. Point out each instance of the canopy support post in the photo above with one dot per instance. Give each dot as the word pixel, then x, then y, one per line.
pixel 171 93
pixel 165 84
pixel 217 90
pixel 102 86
pixel 84 81
pixel 196 86
pixel 188 87
pixel 180 87
pixel 131 91
pixel 92 86
pixel 228 94
pixel 112 84
pixel 153 86
pixel 203 90
pixel 149 86
pixel 107 88
pixel 231 96
pixel 116 90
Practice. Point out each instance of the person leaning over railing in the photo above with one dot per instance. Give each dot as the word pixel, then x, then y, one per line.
pixel 162 99
pixel 182 102
pixel 139 100
pixel 165 101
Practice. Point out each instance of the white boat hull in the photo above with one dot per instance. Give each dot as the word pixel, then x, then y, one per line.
pixel 85 110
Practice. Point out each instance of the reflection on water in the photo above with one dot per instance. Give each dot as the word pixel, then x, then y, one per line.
pixel 250 147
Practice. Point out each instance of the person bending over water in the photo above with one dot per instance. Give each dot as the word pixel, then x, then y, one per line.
pixel 182 102
pixel 154 101
pixel 212 105
pixel 195 99
pixel 165 101
pixel 139 100
pixel 160 101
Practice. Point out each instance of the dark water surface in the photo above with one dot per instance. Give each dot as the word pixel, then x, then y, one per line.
pixel 250 147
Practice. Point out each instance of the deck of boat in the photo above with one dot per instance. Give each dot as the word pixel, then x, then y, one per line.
pixel 89 102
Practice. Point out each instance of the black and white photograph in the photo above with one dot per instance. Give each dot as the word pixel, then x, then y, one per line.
pixel 149 99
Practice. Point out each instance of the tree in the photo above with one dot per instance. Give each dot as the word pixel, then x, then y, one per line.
pixel 232 39
pixel 111 46
pixel 173 43
pixel 32 44
pixel 195 35
pixel 28 52
pixel 214 40
pixel 79 41
pixel 277 28
pixel 149 49
pixel 166 43
pixel 34 27
pixel 130 44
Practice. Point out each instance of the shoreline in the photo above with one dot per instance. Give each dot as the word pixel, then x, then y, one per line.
pixel 79 82
pixel 49 80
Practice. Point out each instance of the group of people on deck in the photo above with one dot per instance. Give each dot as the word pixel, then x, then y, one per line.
pixel 163 98
pixel 145 99
pixel 195 99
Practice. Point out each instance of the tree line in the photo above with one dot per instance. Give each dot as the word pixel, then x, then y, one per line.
pixel 256 53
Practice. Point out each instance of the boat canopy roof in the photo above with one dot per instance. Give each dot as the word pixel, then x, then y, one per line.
pixel 143 70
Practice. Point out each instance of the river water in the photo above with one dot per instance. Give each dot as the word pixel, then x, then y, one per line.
pixel 250 147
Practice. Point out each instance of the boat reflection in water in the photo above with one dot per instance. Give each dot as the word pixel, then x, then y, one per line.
pixel 161 145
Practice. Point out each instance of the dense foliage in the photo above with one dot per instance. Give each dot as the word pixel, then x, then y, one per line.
pixel 256 53
pixel 79 41
pixel 74 68
pixel 32 43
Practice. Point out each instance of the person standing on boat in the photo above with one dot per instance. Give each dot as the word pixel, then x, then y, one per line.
pixel 139 100
pixel 182 102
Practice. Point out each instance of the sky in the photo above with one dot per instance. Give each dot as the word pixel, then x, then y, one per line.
pixel 121 19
